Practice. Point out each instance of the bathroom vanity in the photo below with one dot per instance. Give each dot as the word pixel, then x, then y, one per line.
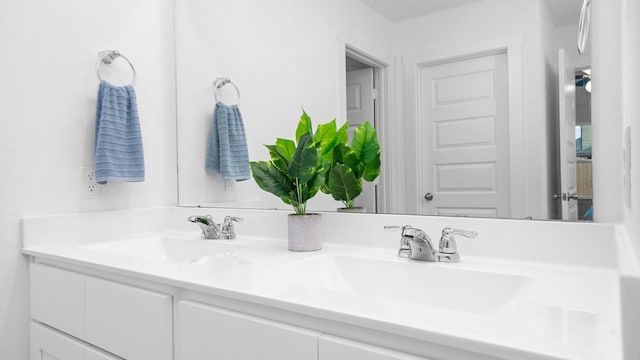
pixel 158 291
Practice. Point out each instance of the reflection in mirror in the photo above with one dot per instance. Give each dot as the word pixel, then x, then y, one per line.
pixel 584 136
pixel 466 100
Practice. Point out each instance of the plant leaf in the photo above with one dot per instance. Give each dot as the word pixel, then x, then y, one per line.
pixel 372 169
pixel 315 184
pixel 286 147
pixel 272 180
pixel 304 163
pixel 345 155
pixel 342 135
pixel 343 184
pixel 304 126
pixel 325 138
pixel 365 142
pixel 282 152
pixel 277 158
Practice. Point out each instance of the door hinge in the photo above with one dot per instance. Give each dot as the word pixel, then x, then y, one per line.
pixel 374 94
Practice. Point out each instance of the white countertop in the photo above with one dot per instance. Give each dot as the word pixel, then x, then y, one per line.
pixel 565 312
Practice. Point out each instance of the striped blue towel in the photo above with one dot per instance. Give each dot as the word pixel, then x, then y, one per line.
pixel 227 152
pixel 118 146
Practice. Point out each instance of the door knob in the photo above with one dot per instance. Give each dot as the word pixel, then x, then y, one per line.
pixel 428 196
pixel 566 196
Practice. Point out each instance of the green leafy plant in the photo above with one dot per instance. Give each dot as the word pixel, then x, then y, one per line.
pixel 353 163
pixel 296 169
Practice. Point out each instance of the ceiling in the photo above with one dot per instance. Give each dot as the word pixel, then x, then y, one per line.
pixel 563 12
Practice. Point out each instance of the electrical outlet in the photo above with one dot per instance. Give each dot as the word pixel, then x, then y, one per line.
pixel 90 188
pixel 229 186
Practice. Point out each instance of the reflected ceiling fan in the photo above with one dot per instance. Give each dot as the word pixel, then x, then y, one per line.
pixel 583 79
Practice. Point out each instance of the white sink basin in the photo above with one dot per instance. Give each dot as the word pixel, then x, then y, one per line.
pixel 428 284
pixel 165 248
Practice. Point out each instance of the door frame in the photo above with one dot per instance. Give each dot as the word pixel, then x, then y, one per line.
pixel 387 191
pixel 512 46
pixel 568 175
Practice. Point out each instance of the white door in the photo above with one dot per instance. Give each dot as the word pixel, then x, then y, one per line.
pixel 464 143
pixel 361 108
pixel 567 124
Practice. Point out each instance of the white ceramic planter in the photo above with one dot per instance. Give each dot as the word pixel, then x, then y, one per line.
pixel 305 232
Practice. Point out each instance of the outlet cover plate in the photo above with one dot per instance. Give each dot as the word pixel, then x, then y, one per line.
pixel 90 188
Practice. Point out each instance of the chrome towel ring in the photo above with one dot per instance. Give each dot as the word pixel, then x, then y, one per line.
pixel 108 57
pixel 583 26
pixel 219 82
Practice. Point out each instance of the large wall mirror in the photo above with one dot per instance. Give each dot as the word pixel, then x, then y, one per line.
pixel 471 118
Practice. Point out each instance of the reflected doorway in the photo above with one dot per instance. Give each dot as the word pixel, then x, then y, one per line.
pixel 584 137
pixel 362 78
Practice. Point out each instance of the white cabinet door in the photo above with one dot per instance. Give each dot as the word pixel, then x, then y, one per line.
pixel 48 344
pixel 130 322
pixel 335 348
pixel 57 298
pixel 211 333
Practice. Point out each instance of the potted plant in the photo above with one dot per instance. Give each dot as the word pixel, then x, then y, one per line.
pixel 295 173
pixel 351 164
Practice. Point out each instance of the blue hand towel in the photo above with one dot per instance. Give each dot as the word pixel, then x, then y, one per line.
pixel 118 146
pixel 227 152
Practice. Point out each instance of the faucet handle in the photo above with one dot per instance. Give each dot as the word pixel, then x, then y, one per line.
pixel 203 219
pixel 396 227
pixel 404 244
pixel 447 249
pixel 414 242
pixel 227 227
pixel 403 230
pixel 227 224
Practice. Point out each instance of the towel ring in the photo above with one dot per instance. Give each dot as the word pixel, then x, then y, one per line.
pixel 108 57
pixel 218 83
pixel 583 26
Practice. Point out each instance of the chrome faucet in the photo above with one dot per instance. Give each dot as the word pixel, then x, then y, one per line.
pixel 211 230
pixel 417 245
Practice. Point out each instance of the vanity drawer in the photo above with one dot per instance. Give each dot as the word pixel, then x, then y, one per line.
pixel 57 298
pixel 335 348
pixel 49 344
pixel 204 329
pixel 130 322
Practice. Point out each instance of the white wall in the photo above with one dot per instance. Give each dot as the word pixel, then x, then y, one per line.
pixel 607 110
pixel 615 108
pixel 631 88
pixel 630 283
pixel 548 32
pixel 283 56
pixel 48 92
